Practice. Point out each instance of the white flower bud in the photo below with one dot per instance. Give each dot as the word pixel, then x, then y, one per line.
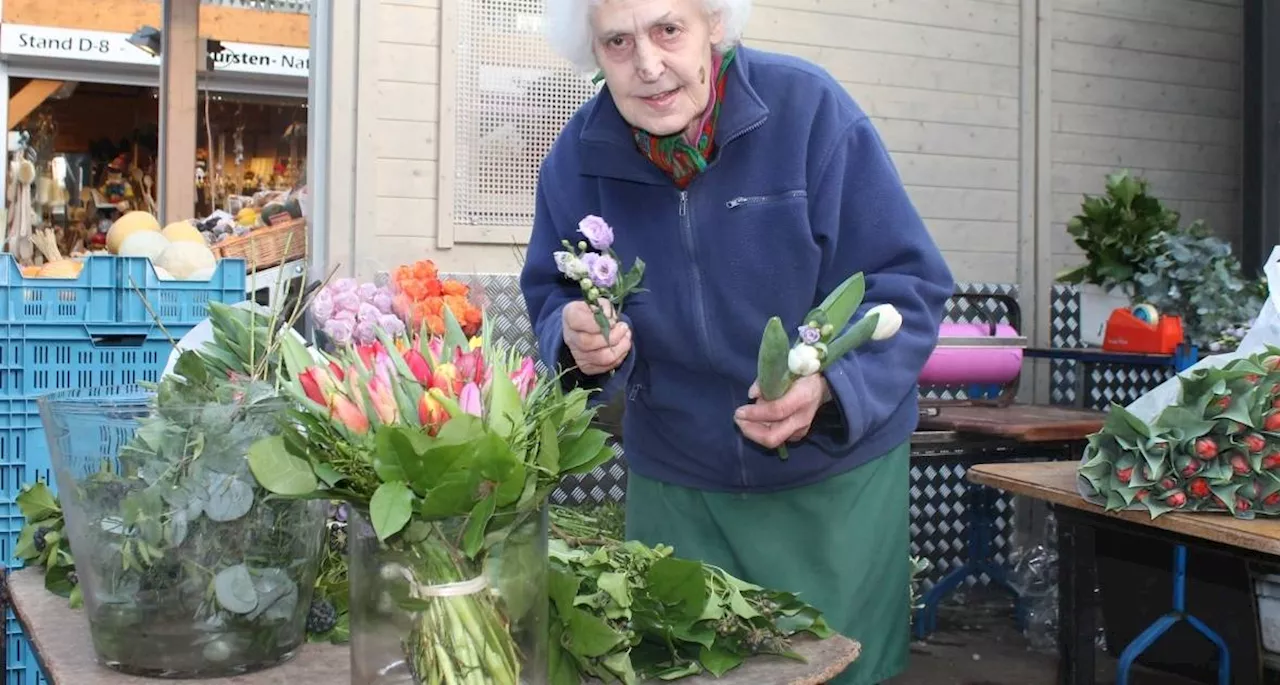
pixel 803 360
pixel 889 322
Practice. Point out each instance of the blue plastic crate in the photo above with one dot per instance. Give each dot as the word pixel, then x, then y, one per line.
pixel 23 667
pixel 173 301
pixel 93 297
pixel 40 358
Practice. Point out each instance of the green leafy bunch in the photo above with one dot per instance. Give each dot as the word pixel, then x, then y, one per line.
pixel 1118 232
pixel 1216 449
pixel 43 542
pixel 623 612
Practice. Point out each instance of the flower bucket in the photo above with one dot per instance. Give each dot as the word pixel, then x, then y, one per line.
pixel 187 568
pixel 1096 306
pixel 423 613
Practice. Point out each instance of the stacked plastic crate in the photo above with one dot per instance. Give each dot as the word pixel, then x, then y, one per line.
pixel 113 325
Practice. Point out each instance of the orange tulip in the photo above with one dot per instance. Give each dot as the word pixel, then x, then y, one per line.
pixel 455 287
pixel 447 380
pixel 383 400
pixel 349 415
pixel 431 413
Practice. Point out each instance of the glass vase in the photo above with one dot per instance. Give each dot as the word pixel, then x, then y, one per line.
pixel 423 613
pixel 188 569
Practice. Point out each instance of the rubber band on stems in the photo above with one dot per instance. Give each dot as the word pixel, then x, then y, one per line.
pixel 459 589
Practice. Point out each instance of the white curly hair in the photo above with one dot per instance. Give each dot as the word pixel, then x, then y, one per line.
pixel 568 27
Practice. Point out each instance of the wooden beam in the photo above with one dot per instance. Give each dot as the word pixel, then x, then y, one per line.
pixel 25 101
pixel 233 24
pixel 180 55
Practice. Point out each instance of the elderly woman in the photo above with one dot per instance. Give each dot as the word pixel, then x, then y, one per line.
pixel 751 185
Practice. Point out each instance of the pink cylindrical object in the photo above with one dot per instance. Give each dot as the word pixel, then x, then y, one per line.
pixel 977 364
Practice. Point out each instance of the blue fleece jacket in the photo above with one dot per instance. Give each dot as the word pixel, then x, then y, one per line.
pixel 799 195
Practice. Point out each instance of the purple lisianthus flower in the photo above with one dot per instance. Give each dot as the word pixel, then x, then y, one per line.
pixel 346 302
pixel 344 285
pixel 366 291
pixel 810 334
pixel 322 310
pixel 597 232
pixel 345 315
pixel 589 261
pixel 366 332
pixel 391 324
pixel 383 301
pixel 368 312
pixel 604 271
pixel 339 331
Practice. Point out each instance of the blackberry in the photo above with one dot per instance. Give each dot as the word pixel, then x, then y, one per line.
pixel 322 617
pixel 38 539
pixel 73 578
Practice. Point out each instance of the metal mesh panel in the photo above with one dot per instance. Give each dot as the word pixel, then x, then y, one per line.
pixel 513 97
pixel 979 309
pixel 291 6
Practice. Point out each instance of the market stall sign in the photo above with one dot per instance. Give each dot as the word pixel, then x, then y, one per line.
pixel 102 46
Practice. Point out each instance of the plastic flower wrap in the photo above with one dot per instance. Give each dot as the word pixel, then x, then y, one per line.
pixel 350 312
pixel 594 266
pixel 821 339
pixel 420 297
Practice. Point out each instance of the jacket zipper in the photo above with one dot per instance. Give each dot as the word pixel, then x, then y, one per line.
pixel 761 199
pixel 699 299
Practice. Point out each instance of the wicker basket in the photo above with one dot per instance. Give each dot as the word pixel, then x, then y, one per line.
pixel 267 247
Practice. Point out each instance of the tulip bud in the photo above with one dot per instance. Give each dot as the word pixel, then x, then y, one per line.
pixel 803 360
pixel 889 322
pixel 418 366
pixel 445 379
pixel 349 415
pixel 469 400
pixel 525 377
pixel 431 413
pixel 383 400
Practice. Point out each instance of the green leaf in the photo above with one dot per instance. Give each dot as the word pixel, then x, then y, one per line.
pixel 851 339
pixel 1125 426
pixel 473 536
pixel 772 373
pixel 506 411
pixel 229 498
pixel 37 503
pixel 279 471
pixel 583 449
pixel 739 605
pixel 548 447
pixel 679 584
pixel 454 337
pixel 589 635
pixel 390 508
pixel 840 305
pixel 719 661
pixel 616 585
pixel 562 587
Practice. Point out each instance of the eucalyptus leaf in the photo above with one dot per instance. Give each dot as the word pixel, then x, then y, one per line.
pixel 229 498
pixel 279 471
pixel 234 589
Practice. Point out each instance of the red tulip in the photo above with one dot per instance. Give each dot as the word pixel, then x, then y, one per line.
pixel 418 366
pixel 431 413
pixel 318 385
pixel 447 380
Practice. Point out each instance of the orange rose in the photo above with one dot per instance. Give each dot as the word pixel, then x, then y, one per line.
pixel 425 270
pixel 433 288
pixel 471 322
pixel 455 287
pixel 435 324
pixel 432 305
pixel 458 305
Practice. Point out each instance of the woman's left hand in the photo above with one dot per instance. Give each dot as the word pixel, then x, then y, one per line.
pixel 786 419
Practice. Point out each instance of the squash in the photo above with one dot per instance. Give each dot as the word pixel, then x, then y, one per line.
pixel 184 259
pixel 162 273
pixel 205 274
pixel 183 232
pixel 63 268
pixel 144 244
pixel 126 226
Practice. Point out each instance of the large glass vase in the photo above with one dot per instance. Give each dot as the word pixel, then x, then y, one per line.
pixel 425 613
pixel 188 568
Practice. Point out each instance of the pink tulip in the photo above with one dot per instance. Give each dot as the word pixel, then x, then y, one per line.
pixel 436 347
pixel 349 415
pixel 383 399
pixel 469 400
pixel 525 377
pixel 471 366
pixel 418 366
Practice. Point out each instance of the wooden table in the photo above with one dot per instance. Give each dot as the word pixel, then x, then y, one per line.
pixel 60 636
pixel 988 433
pixel 1238 542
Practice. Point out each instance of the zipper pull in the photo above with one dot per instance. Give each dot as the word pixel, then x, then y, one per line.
pixel 684 202
pixel 735 202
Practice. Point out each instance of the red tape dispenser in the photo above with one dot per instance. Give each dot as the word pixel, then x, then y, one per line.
pixel 1142 330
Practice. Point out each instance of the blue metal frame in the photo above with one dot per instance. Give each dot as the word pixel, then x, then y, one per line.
pixel 980 522
pixel 1161 625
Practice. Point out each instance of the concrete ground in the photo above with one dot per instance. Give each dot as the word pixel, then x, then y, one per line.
pixel 978 644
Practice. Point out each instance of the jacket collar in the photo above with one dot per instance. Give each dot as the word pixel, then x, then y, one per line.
pixel 607 147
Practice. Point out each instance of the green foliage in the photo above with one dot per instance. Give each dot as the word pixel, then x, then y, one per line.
pixel 43 542
pixel 1118 232
pixel 1217 448
pixel 625 613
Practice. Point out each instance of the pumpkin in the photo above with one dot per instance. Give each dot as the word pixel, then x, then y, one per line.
pixel 184 259
pixel 126 226
pixel 63 268
pixel 183 232
pixel 147 244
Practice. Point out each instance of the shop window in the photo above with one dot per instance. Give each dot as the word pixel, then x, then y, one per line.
pixel 513 96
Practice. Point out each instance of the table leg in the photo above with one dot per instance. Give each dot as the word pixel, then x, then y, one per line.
pixel 980 517
pixel 1077 610
pixel 1161 625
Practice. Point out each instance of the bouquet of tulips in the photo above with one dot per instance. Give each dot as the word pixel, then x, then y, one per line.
pixel 418 435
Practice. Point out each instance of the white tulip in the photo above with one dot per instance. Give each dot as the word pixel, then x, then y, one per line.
pixel 889 322
pixel 803 360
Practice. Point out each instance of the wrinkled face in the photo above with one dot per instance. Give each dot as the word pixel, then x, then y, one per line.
pixel 656 58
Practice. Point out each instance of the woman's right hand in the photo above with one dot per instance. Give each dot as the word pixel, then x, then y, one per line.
pixel 592 354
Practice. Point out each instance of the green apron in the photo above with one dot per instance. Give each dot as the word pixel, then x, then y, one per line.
pixel 843 545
